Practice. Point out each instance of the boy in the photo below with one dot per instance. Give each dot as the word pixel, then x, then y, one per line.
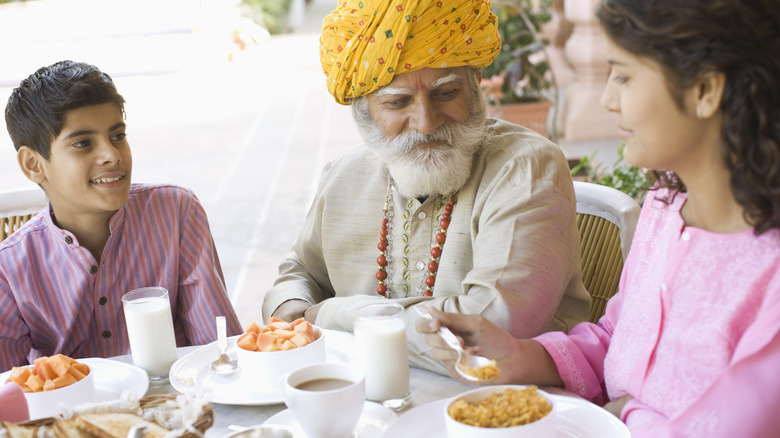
pixel 62 275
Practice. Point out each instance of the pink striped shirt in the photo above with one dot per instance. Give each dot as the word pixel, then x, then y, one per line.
pixel 55 297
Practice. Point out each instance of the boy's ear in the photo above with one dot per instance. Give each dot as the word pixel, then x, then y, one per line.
pixel 709 94
pixel 31 163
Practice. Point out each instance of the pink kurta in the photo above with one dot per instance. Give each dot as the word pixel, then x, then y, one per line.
pixel 692 334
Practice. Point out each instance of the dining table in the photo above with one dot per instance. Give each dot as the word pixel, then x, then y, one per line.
pixel 428 390
pixel 425 386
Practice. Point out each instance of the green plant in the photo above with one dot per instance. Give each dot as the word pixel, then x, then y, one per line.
pixel 521 71
pixel 630 180
pixel 270 14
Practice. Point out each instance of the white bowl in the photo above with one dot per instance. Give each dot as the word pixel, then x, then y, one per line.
pixel 267 367
pixel 542 428
pixel 44 404
pixel 264 431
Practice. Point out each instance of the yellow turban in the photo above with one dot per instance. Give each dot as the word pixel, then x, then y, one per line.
pixel 365 42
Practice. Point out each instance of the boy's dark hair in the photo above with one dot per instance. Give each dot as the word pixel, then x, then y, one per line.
pixel 36 109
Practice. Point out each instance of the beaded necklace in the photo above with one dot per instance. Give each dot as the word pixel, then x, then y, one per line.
pixel 436 249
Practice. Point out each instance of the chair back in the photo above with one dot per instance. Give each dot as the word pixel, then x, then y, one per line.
pixel 606 219
pixel 19 206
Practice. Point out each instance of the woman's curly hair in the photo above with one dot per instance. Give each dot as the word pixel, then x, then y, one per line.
pixel 740 38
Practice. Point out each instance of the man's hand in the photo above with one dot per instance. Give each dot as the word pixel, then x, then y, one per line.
pixel 291 310
pixel 311 313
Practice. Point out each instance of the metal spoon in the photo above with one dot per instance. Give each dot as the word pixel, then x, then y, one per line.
pixel 224 364
pixel 466 361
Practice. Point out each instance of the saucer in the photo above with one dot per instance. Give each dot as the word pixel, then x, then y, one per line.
pixel 372 423
pixel 193 372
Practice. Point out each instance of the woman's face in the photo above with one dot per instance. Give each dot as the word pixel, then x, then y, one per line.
pixel 658 134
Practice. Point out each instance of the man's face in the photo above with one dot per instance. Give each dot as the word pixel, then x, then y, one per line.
pixel 89 168
pixel 422 101
pixel 426 126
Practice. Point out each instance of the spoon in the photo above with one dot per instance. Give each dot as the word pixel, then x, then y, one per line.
pixel 224 364
pixel 466 361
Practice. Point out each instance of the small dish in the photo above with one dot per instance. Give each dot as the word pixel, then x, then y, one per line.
pixel 265 431
pixel 194 371
pixel 373 422
pixel 44 404
pixel 544 427
pixel 267 367
pixel 112 379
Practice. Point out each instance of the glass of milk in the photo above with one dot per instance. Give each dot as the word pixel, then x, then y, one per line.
pixel 150 330
pixel 380 333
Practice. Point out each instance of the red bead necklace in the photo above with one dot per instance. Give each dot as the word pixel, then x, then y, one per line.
pixel 436 250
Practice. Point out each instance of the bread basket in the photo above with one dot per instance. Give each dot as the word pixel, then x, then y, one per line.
pixel 187 415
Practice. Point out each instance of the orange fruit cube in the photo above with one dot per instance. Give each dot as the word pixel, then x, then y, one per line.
pixel 64 380
pixel 247 341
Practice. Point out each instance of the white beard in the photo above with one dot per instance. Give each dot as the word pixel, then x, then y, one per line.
pixel 440 170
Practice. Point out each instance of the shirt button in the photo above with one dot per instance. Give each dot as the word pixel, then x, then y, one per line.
pixel 93 269
pixel 421 215
pixel 68 240
pixel 106 334
pixel 686 235
pixel 663 287
pixel 421 265
pixel 103 301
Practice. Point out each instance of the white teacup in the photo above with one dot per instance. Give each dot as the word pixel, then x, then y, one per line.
pixel 325 398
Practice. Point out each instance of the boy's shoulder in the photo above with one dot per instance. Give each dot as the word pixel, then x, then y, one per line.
pixel 161 189
pixel 158 202
pixel 31 232
pixel 143 193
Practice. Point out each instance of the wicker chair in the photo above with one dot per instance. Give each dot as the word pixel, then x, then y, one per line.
pixel 17 207
pixel 606 219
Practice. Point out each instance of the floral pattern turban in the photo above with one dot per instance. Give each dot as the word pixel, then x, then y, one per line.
pixel 364 43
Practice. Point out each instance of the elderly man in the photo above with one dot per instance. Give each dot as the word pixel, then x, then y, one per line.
pixel 440 206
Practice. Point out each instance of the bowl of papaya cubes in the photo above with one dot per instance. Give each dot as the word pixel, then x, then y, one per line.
pixel 54 383
pixel 280 347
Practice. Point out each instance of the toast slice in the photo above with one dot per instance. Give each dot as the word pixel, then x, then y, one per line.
pixel 117 425
pixel 46 431
pixel 14 430
pixel 69 429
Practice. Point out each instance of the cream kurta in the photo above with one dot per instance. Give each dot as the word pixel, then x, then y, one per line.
pixel 512 249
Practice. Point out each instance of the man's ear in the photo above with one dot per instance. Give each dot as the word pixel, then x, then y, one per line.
pixel 709 94
pixel 31 163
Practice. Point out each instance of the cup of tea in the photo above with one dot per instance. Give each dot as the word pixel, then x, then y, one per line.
pixel 325 398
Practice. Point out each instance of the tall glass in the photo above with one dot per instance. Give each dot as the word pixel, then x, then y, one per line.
pixel 380 332
pixel 150 330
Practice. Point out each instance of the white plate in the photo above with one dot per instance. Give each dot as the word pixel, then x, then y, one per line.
pixel 372 423
pixel 193 372
pixel 577 418
pixel 113 379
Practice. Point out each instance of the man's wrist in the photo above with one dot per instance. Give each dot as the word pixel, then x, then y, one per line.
pixel 291 310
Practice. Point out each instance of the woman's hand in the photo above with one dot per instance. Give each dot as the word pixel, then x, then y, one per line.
pixel 519 361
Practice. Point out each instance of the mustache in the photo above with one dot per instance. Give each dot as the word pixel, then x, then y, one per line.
pixel 408 141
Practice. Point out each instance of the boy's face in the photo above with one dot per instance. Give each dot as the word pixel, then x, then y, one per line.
pixel 89 167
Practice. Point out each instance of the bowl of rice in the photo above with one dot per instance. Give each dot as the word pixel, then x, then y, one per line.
pixel 501 411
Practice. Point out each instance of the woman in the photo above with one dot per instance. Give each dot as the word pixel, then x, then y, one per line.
pixel 692 338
